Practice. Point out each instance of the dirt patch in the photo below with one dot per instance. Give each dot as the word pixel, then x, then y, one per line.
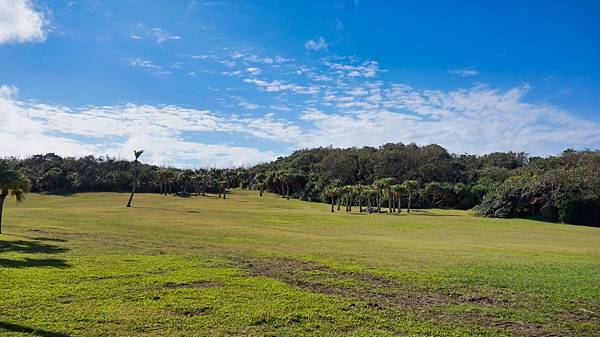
pixel 376 292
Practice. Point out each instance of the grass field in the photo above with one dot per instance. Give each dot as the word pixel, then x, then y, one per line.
pixel 84 265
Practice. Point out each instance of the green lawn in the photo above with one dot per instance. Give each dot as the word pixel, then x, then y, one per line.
pixel 84 265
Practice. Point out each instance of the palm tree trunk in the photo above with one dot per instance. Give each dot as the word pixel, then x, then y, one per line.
pixel 409 200
pixel 399 204
pixel 135 178
pixel 339 202
pixel 2 198
pixel 332 204
pixel 287 191
pixel 261 191
pixel 369 204
pixel 350 203
pixel 390 202
pixel 379 203
pixel 360 205
pixel 347 202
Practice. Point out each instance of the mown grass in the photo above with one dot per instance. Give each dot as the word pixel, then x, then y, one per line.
pixel 84 265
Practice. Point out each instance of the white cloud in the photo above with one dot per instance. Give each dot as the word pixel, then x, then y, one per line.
pixel 316 45
pixel 159 35
pixel 278 86
pixel 20 22
pixel 366 69
pixel 264 60
pixel 164 131
pixel 162 36
pixel 247 105
pixel 465 72
pixel 477 120
pixel 148 66
pixel 254 70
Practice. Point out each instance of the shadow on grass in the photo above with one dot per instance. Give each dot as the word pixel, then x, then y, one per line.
pixel 27 262
pixel 31 247
pixel 33 331
pixel 40 238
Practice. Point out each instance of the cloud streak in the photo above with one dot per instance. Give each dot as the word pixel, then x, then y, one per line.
pixel 316 45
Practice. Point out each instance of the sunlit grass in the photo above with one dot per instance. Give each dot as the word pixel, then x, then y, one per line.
pixel 84 265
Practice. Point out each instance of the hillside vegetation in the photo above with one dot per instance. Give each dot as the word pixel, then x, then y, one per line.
pixel 504 184
pixel 84 265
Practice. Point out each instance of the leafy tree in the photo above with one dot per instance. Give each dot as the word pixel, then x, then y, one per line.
pixel 437 193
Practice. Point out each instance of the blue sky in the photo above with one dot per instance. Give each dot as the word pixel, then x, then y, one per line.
pixel 227 83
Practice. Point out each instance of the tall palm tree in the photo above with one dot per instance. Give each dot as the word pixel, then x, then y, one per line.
pixel 223 188
pixel 163 180
pixel 382 185
pixel 378 186
pixel 137 155
pixel 399 191
pixel 370 193
pixel 347 191
pixel 358 191
pixel 14 183
pixel 260 179
pixel 196 182
pixel 411 187
pixel 330 192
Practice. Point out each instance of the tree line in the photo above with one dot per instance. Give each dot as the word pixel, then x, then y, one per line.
pixel 372 179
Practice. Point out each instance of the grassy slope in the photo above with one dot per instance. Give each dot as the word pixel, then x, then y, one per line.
pixel 85 265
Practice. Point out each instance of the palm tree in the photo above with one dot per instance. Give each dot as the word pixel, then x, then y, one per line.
pixel 330 192
pixel 358 191
pixel 411 187
pixel 383 185
pixel 378 186
pixel 370 193
pixel 260 179
pixel 137 155
pixel 196 182
pixel 14 183
pixel 399 191
pixel 347 191
pixel 223 188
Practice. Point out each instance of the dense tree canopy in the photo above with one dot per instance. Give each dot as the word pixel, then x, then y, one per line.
pixel 502 184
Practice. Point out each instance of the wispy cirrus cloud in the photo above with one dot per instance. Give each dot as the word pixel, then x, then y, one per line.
pixel 158 35
pixel 476 120
pixel 279 86
pixel 467 72
pixel 316 45
pixel 148 66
